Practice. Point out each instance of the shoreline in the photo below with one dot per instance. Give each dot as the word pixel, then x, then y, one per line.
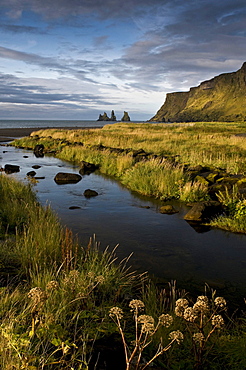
pixel 9 134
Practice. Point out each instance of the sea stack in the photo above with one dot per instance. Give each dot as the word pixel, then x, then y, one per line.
pixel 126 117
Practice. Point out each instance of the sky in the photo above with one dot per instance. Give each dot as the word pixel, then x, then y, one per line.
pixel 75 59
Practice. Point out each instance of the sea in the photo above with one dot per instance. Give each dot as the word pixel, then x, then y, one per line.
pixel 51 123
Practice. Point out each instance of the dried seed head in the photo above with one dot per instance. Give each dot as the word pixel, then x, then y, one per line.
pixel 180 306
pixel 218 321
pixel 52 285
pixel 182 302
pixel 116 311
pixel 37 295
pixel 190 314
pixel 91 275
pixel 99 279
pixel 198 338
pixel 220 302
pixel 201 305
pixel 165 320
pixel 147 322
pixel 176 335
pixel 136 305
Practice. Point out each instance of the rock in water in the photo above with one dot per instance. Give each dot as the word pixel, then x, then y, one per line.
pixel 39 151
pixel 103 117
pixel 67 178
pixel 113 116
pixel 220 99
pixel 90 193
pixel 126 117
pixel 11 168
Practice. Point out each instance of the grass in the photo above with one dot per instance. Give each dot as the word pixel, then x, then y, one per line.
pixel 55 305
pixel 56 313
pixel 212 143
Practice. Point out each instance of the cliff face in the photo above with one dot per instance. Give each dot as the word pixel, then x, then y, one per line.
pixel 223 98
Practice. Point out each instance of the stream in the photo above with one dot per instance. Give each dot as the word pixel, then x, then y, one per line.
pixel 166 246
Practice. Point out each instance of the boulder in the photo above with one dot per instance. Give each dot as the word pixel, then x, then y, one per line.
pixel 90 193
pixel 168 209
pixel 11 168
pixel 204 211
pixel 67 178
pixel 87 167
pixel 36 166
pixel 39 150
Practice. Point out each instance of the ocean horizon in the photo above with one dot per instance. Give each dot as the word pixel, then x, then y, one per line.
pixel 49 123
pixel 11 123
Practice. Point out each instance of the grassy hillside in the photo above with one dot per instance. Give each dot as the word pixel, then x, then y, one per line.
pixel 219 99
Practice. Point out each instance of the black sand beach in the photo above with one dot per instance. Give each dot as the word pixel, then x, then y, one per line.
pixel 8 134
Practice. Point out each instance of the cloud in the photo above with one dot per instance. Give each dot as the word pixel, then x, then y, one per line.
pixel 18 91
pixel 71 8
pixel 121 51
pixel 21 29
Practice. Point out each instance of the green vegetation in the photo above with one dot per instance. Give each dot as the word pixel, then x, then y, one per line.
pixel 161 160
pixel 219 99
pixel 206 143
pixel 58 299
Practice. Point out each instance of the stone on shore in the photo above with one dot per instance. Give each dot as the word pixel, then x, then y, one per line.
pixel 168 209
pixel 204 211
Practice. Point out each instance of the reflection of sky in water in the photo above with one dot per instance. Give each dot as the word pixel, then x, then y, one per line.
pixel 165 245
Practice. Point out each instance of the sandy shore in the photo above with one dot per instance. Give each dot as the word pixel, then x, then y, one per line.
pixel 8 134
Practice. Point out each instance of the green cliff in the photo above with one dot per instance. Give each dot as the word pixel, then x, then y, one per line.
pixel 223 98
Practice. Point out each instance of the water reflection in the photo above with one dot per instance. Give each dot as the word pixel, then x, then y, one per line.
pixel 165 245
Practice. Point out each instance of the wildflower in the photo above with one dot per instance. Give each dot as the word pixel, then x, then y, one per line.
pixel 166 320
pixel 220 302
pixel 198 338
pixel 190 314
pixel 218 321
pixel 201 305
pixel 136 305
pixel 52 285
pixel 181 305
pixel 116 311
pixel 176 335
pixel 37 295
pixel 147 323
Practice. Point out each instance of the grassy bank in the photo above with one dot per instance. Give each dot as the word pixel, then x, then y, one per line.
pixel 159 159
pixel 73 307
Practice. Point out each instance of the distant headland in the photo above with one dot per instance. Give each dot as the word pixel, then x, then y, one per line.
pixel 220 99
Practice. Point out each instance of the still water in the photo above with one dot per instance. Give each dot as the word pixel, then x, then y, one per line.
pixel 165 245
